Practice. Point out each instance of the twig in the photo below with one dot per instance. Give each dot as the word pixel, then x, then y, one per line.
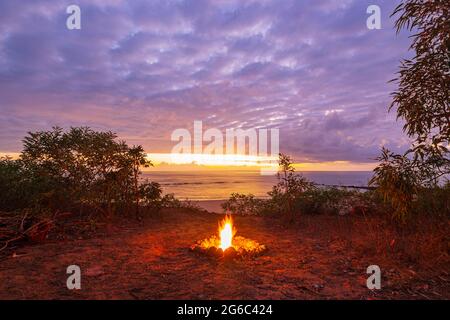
pixel 423 295
pixel 11 240
pixel 23 220
pixel 23 234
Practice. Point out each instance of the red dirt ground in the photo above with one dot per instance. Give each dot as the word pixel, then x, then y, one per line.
pixel 152 261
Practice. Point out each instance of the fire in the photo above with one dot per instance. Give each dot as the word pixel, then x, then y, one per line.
pixel 225 245
pixel 226 233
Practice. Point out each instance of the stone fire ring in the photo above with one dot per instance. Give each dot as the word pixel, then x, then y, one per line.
pixel 242 248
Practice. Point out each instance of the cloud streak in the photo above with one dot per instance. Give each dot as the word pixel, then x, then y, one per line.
pixel 145 68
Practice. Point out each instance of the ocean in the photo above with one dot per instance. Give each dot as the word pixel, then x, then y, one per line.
pixel 218 185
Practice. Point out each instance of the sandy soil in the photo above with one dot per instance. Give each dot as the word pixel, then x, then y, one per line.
pixel 152 261
pixel 210 205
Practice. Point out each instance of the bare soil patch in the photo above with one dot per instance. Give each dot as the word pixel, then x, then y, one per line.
pixel 151 260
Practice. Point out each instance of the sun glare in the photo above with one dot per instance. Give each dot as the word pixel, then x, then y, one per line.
pixel 215 159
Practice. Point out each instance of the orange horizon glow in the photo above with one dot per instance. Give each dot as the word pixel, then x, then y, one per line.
pixel 189 161
pixel 173 162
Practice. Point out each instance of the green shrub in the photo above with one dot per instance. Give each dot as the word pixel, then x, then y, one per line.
pixel 60 170
pixel 243 204
pixel 433 201
pixel 407 189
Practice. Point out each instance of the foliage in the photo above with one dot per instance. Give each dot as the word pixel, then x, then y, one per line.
pixel 137 159
pixel 290 197
pixel 243 204
pixel 423 101
pixel 397 180
pixel 76 169
pixel 323 200
pixel 405 188
pixel 12 185
pixel 335 201
pixel 433 201
pixel 423 95
pixel 294 195
pixel 289 189
pixel 169 201
pixel 150 194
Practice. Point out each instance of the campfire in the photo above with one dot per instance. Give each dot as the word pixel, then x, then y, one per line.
pixel 226 244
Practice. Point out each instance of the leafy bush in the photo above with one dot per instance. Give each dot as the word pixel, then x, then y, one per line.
pixel 284 196
pixel 243 204
pixel 294 195
pixel 12 185
pixel 150 196
pixel 405 187
pixel 397 180
pixel 433 201
pixel 71 170
pixel 410 181
pixel 291 187
pixel 327 200
pixel 322 200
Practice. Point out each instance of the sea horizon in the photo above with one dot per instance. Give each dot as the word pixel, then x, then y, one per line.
pixel 219 185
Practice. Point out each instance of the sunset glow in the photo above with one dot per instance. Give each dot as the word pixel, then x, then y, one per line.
pixel 167 161
pixel 224 153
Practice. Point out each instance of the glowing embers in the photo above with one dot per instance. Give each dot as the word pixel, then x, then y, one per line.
pixel 226 244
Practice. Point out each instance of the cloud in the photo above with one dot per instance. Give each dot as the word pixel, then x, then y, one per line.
pixel 144 68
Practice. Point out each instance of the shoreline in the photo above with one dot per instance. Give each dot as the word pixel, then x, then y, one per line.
pixel 212 206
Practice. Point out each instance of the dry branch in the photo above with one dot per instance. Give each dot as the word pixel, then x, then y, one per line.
pixel 12 229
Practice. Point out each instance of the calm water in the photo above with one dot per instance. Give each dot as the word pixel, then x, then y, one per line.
pixel 218 185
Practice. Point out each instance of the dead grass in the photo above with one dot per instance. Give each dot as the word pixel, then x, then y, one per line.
pixel 323 257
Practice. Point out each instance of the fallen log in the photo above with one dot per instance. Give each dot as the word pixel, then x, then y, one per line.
pixel 12 229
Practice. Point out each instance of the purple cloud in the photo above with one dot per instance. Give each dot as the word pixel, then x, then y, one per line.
pixel 144 68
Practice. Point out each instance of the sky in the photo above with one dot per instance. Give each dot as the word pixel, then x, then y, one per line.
pixel 143 68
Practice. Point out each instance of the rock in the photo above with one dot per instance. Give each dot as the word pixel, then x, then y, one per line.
pixel 230 253
pixel 241 252
pixel 212 251
pixel 215 252
pixel 219 252
pixel 196 249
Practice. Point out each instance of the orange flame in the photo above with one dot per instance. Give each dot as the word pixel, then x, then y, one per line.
pixel 226 232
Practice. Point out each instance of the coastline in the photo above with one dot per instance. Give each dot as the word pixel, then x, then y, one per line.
pixel 212 206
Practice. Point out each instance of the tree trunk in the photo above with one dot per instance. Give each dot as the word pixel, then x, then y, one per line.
pixel 136 193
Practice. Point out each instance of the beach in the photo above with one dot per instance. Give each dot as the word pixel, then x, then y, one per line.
pixel 210 189
pixel 212 206
pixel 219 185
